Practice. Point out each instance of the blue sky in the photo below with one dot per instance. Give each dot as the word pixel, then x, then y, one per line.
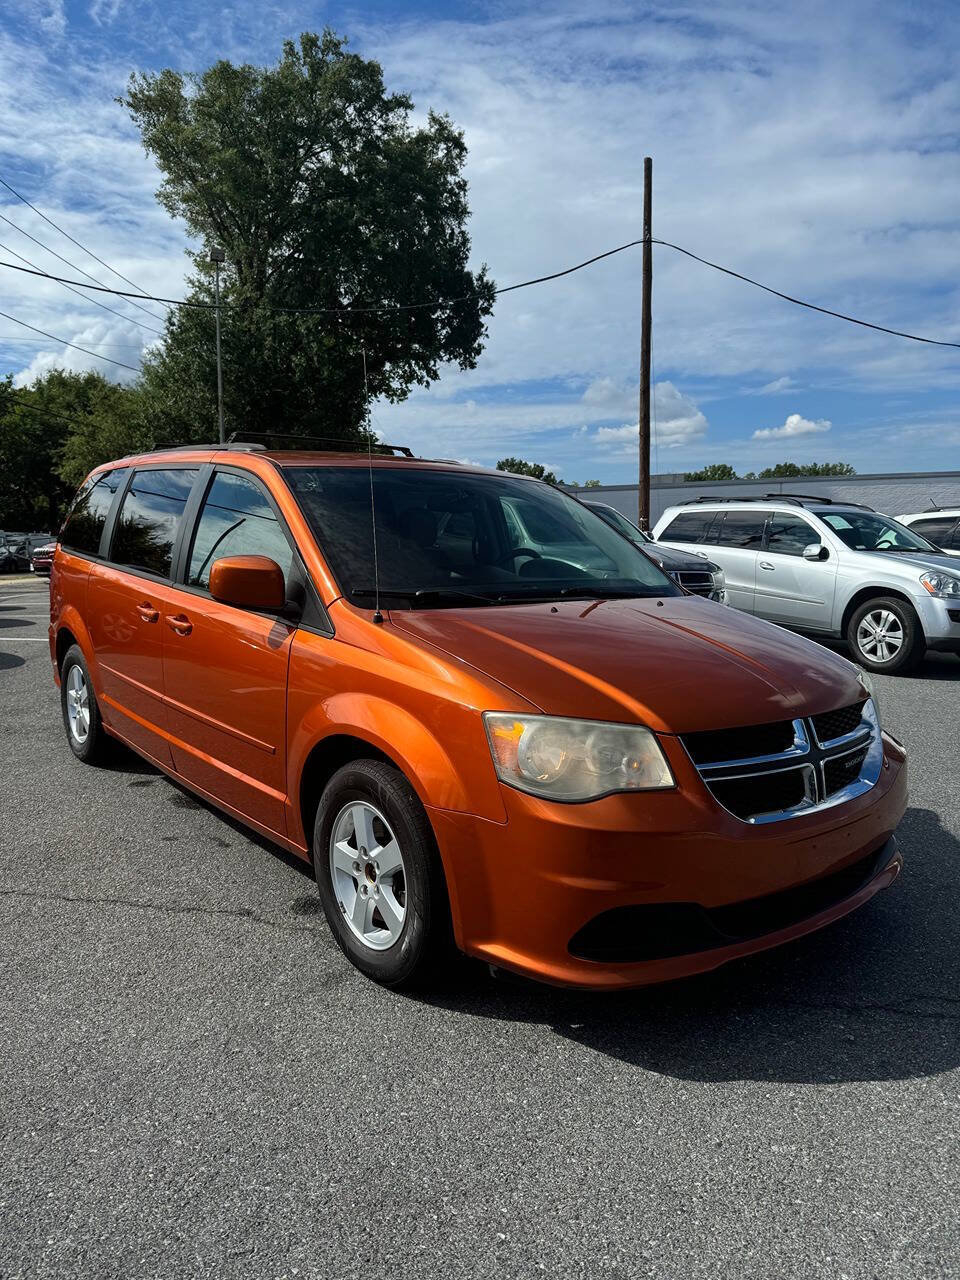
pixel 812 146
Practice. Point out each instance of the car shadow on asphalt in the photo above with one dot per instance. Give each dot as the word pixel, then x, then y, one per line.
pixel 143 774
pixel 875 996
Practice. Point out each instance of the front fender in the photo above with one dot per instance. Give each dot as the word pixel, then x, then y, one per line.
pixel 442 778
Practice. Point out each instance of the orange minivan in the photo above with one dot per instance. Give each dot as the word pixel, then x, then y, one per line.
pixel 485 716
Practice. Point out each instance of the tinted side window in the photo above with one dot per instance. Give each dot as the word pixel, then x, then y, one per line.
pixel 692 526
pixel 937 530
pixel 236 520
pixel 150 518
pixel 788 535
pixel 86 518
pixel 742 529
pixel 952 540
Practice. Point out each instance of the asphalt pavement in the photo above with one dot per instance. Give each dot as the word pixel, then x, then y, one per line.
pixel 194 1083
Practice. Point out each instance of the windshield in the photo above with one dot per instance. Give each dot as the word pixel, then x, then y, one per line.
pixel 454 539
pixel 619 522
pixel 867 531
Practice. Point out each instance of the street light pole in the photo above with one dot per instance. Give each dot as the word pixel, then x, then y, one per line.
pixel 217 256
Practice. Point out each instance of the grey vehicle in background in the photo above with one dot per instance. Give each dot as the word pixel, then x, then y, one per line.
pixel 691 570
pixel 838 570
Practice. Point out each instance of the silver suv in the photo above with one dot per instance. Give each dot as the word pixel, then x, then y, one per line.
pixel 828 568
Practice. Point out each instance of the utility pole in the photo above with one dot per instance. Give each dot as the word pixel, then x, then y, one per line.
pixel 217 256
pixel 643 503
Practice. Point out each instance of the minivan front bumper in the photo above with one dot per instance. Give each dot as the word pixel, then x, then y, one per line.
pixel 637 889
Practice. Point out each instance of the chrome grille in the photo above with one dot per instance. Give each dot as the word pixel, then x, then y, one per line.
pixel 837 724
pixel 699 581
pixel 767 773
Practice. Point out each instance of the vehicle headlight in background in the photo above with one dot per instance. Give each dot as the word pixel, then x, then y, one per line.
pixel 944 585
pixel 563 759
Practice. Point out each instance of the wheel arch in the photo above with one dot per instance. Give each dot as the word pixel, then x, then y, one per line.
pixel 323 760
pixel 863 594
pixel 71 630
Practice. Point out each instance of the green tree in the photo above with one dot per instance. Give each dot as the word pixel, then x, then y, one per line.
pixel 592 484
pixel 32 434
pixel 790 470
pixel 715 471
pixel 323 195
pixel 521 468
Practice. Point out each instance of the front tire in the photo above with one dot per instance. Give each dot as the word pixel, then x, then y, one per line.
pixel 885 635
pixel 379 874
pixel 81 713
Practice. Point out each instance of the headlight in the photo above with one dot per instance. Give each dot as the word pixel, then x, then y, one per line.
pixel 944 585
pixel 574 759
pixel 872 706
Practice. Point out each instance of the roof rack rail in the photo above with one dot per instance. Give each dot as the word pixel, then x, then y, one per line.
pixel 168 445
pixel 793 499
pixel 345 446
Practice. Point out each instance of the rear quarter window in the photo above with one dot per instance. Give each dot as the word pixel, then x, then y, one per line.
pixel 83 527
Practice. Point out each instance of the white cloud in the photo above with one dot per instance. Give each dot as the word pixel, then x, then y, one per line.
pixel 795 425
pixel 676 421
pixel 775 388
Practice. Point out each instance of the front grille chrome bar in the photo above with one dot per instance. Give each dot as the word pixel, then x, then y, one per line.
pixel 808 758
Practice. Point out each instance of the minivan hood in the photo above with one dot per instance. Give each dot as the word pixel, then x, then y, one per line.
pixel 677 664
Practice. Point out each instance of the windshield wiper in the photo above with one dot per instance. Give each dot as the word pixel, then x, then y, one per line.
pixel 424 595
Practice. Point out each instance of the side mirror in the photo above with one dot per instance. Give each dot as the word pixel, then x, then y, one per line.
pixel 250 582
pixel 816 551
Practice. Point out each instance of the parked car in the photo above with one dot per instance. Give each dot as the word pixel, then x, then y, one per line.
pixel 583 775
pixel 941 526
pixel 691 570
pixel 14 554
pixel 832 569
pixel 41 555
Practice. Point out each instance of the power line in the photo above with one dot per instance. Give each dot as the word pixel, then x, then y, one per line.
pixel 57 227
pixel 102 305
pixel 104 346
pixel 79 283
pixel 523 284
pixel 50 414
pixel 53 338
pixel 799 302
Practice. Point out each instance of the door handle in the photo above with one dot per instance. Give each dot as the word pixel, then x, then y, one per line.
pixel 765 564
pixel 180 623
pixel 147 612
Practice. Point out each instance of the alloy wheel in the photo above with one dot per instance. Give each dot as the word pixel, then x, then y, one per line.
pixel 880 635
pixel 366 868
pixel 78 704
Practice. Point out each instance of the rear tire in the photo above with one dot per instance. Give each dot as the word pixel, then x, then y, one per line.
pixel 379 875
pixel 884 634
pixel 81 714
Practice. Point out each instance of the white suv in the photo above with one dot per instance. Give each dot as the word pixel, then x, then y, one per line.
pixel 828 568
pixel 941 525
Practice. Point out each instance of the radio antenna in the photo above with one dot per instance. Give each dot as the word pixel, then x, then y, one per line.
pixel 377 615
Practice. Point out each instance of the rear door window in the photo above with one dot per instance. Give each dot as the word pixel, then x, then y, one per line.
pixel 939 530
pixel 85 521
pixel 787 535
pixel 691 526
pixel 150 517
pixel 236 520
pixel 742 529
